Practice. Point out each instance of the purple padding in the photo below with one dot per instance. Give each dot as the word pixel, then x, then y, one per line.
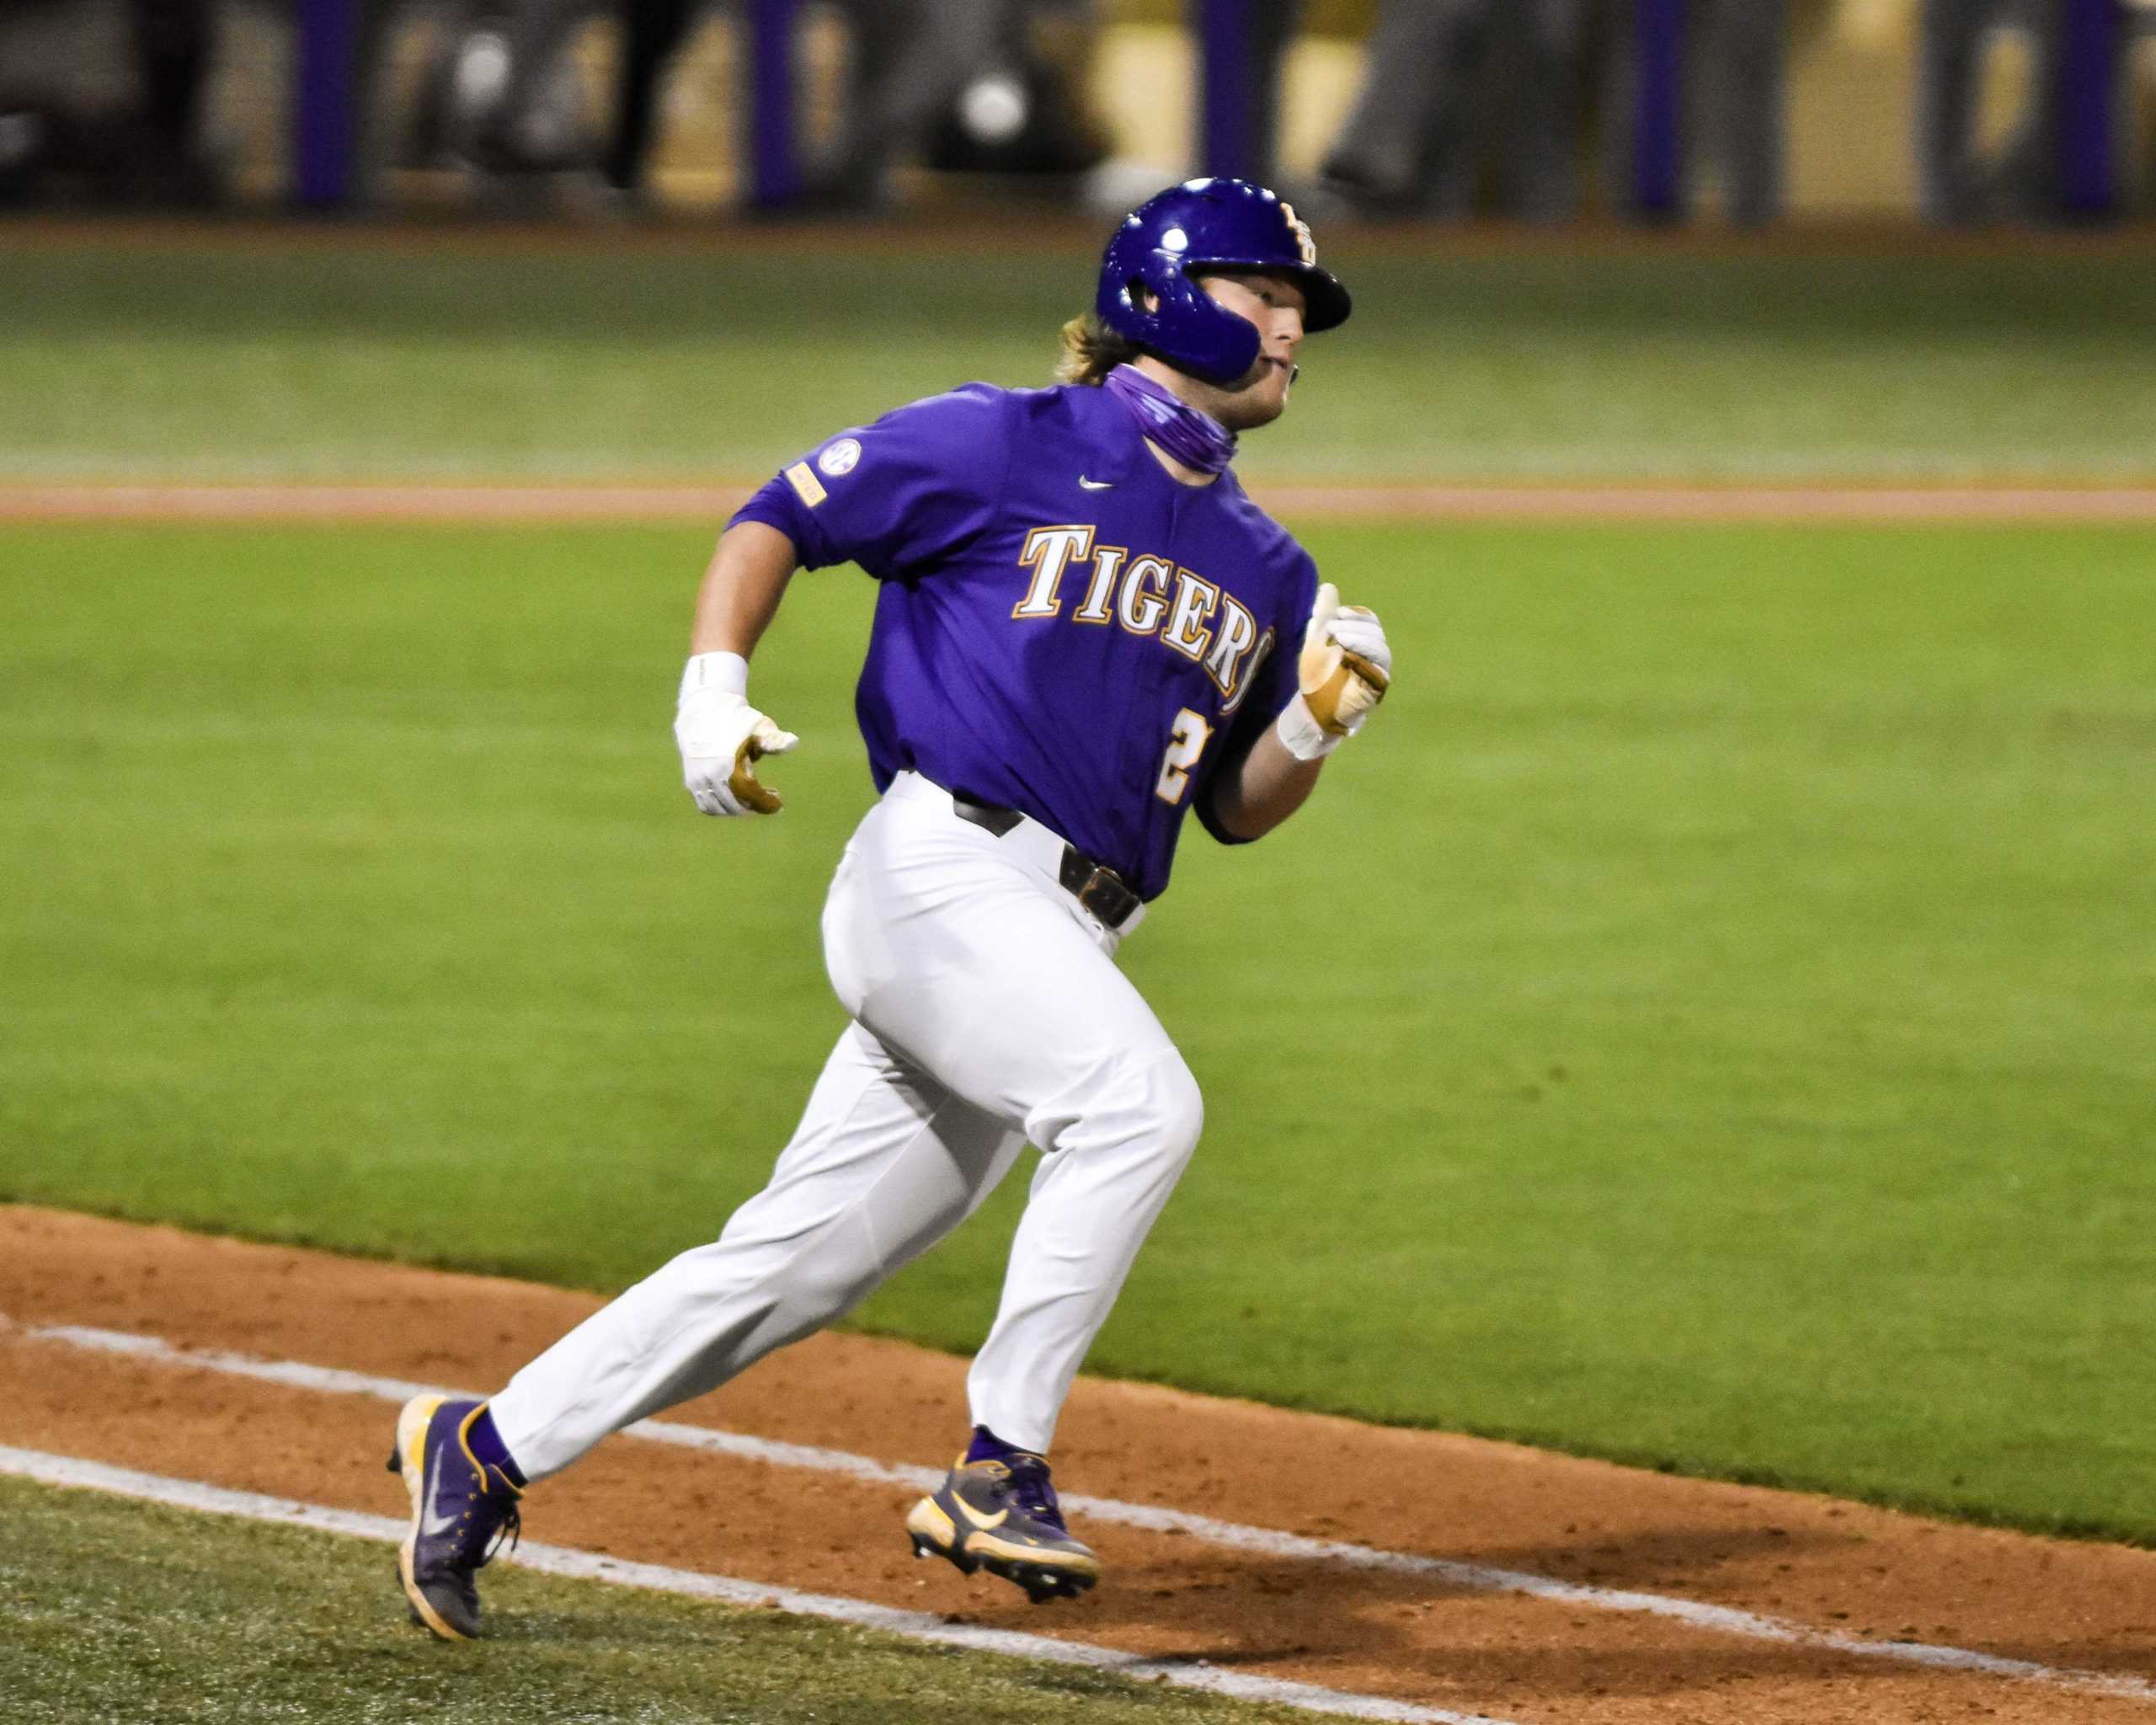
pixel 323 121
pixel 1227 94
pixel 1657 113
pixel 774 159
pixel 2090 49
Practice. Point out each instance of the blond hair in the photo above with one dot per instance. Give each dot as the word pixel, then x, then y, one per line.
pixel 1090 351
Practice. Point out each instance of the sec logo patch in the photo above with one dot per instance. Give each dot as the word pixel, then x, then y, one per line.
pixel 841 457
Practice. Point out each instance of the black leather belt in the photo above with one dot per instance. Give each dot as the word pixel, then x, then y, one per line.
pixel 1103 892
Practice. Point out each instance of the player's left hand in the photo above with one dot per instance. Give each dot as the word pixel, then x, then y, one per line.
pixel 722 737
pixel 1343 672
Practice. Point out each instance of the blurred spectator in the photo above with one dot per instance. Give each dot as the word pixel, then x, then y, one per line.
pixel 516 104
pixel 1271 24
pixel 495 99
pixel 1735 109
pixel 174 42
pixel 499 93
pixel 653 30
pixel 910 60
pixel 1407 146
pixel 134 135
pixel 1959 180
pixel 1475 104
pixel 1551 48
pixel 1023 110
pixel 1472 104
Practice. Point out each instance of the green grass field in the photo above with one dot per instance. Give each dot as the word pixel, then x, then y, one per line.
pixel 1705 1023
pixel 427 354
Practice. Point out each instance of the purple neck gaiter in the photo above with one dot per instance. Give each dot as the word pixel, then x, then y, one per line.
pixel 1196 439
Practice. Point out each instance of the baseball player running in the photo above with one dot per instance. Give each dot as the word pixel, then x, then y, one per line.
pixel 1085 629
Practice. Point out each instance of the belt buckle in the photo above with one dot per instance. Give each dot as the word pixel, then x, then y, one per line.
pixel 1098 888
pixel 1106 895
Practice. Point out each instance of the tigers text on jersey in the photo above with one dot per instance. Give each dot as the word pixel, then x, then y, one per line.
pixel 1064 627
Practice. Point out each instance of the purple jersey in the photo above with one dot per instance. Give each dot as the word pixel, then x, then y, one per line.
pixel 1064 627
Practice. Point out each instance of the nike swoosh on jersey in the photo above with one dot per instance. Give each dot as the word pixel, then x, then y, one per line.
pixel 431 1521
pixel 1096 484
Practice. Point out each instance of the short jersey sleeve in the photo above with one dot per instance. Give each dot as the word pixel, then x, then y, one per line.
pixel 895 496
pixel 1271 686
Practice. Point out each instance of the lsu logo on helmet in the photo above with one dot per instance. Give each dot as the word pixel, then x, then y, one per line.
pixel 1301 230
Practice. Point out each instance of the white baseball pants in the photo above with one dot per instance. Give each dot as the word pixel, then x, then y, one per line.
pixel 988 1011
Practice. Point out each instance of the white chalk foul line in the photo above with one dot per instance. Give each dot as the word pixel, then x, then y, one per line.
pixel 1475 1577
pixel 589 1565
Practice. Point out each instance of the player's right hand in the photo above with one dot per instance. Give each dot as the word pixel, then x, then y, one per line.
pixel 722 737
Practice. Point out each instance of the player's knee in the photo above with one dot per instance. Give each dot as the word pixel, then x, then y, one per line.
pixel 813 1295
pixel 1169 1109
pixel 1148 1103
pixel 817 1277
pixel 1183 1108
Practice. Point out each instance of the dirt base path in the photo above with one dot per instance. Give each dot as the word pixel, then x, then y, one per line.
pixel 1834 1568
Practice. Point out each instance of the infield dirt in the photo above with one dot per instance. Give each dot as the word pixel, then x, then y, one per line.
pixel 1835 1566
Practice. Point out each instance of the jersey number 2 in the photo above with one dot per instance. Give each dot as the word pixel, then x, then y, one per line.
pixel 1186 743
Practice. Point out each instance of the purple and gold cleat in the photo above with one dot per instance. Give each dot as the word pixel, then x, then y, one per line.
pixel 1001 1515
pixel 462 1511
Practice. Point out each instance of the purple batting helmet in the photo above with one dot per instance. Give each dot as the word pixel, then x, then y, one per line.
pixel 1175 237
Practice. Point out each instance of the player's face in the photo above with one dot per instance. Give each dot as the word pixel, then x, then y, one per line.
pixel 1275 304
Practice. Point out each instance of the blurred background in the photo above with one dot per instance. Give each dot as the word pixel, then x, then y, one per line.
pixel 1742 112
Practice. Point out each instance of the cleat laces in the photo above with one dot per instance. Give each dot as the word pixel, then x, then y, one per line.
pixel 1029 1490
pixel 501 1523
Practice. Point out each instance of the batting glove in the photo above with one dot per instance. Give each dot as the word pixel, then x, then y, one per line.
pixel 1345 669
pixel 721 738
